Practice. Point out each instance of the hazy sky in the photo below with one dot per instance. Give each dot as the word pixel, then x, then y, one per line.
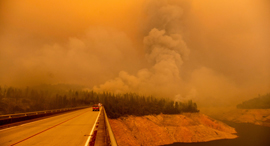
pixel 214 52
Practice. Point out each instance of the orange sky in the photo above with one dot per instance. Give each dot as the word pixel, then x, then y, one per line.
pixel 210 50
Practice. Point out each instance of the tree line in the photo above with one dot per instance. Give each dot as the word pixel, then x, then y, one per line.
pixel 134 104
pixel 15 100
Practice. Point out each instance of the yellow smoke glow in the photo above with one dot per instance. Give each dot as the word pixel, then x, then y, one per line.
pixel 183 49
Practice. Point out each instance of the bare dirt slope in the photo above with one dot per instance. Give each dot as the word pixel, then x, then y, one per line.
pixel 166 129
pixel 255 116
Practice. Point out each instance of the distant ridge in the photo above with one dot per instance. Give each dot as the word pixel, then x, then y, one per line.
pixel 260 102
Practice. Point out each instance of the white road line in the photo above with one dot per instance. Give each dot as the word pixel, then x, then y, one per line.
pixel 33 122
pixel 7 128
pixel 24 124
pixel 87 142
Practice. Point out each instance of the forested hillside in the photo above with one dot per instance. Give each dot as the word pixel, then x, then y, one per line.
pixel 261 102
pixel 133 104
pixel 14 100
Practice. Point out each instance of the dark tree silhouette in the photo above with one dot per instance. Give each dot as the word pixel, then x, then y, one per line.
pixel 13 100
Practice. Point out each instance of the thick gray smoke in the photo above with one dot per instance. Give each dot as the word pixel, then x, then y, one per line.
pixel 214 52
pixel 209 70
pixel 165 50
pixel 76 61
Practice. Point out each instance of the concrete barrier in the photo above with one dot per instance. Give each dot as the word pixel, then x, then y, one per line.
pixel 109 131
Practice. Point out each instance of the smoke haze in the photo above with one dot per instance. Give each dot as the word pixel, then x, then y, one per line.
pixel 214 52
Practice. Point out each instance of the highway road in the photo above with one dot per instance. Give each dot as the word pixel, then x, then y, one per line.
pixel 69 129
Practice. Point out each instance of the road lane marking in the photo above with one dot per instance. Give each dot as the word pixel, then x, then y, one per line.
pixel 7 128
pixel 88 139
pixel 46 118
pixel 46 129
pixel 27 123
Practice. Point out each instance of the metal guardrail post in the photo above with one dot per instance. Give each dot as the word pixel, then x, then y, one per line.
pixel 109 130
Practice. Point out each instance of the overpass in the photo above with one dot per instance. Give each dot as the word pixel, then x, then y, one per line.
pixel 80 127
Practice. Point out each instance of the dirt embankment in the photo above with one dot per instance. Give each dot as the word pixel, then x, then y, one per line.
pixel 255 116
pixel 167 129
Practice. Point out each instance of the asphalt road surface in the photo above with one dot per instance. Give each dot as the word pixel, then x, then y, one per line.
pixel 69 129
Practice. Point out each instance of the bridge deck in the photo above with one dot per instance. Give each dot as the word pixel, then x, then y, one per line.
pixel 71 128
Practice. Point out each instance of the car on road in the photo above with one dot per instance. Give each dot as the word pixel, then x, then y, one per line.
pixel 95 107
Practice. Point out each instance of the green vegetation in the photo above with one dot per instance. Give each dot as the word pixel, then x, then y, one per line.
pixel 261 102
pixel 13 100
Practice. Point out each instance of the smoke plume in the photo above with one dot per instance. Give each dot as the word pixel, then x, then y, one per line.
pixel 165 50
pixel 213 52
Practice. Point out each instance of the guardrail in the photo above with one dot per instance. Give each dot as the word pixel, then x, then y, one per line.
pixel 109 130
pixel 11 118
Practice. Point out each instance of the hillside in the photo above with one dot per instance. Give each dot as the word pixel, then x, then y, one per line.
pixel 261 102
pixel 254 116
pixel 166 129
